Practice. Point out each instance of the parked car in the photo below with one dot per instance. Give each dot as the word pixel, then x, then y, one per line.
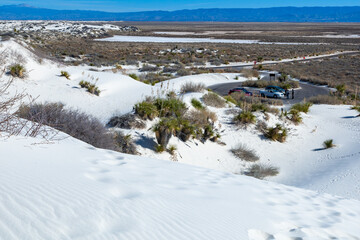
pixel 275 89
pixel 243 90
pixel 271 94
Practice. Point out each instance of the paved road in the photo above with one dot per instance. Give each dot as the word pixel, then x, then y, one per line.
pixel 251 64
pixel 306 91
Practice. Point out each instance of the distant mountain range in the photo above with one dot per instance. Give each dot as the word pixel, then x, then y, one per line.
pixel 278 14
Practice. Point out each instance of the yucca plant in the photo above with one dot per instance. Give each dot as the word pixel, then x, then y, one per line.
pixel 245 117
pixel 277 133
pixel 196 104
pixel 65 74
pixel 302 107
pixel 17 70
pixel 146 110
pixel 328 144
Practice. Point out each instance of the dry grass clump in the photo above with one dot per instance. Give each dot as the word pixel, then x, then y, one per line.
pixel 214 100
pixel 201 117
pixel 245 153
pixel 17 70
pixel 262 171
pixel 325 99
pixel 250 73
pixel 192 87
pixel 263 83
pixel 127 121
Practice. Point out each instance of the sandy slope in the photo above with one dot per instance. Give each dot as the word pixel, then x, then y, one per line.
pixel 70 190
pixel 333 171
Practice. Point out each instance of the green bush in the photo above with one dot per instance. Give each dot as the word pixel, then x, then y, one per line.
pixel 17 70
pixel 65 74
pixel 146 110
pixel 170 107
pixel 164 129
pixel 277 133
pixel 134 76
pixel 245 117
pixel 328 144
pixel 159 148
pixel 196 104
pixel 229 98
pixel 302 107
pixel 357 108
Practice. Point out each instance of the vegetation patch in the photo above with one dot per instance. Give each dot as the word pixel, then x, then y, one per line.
pixel 328 144
pixel 277 133
pixel 245 153
pixel 192 87
pixel 245 117
pixel 91 87
pixel 17 70
pixel 262 171
pixel 214 100
pixel 65 74
pixel 196 104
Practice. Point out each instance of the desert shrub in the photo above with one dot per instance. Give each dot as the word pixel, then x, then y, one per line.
pixel 277 133
pixel 134 76
pixel 17 70
pixel 250 73
pixel 172 149
pixel 65 74
pixel 185 129
pixel 76 124
pixel 273 110
pixel 262 171
pixel 245 153
pixel 149 68
pixel 164 129
pixel 294 116
pixel 124 143
pixel 192 87
pixel 283 77
pixel 259 107
pixel 159 148
pixel 201 117
pixel 328 143
pixel 325 99
pixel 183 72
pixel 170 107
pixel 341 88
pixel 302 107
pixel 245 117
pixel 91 88
pixel 357 108
pixel 213 100
pixel 261 126
pixel 229 98
pixel 196 104
pixel 146 110
pixel 127 121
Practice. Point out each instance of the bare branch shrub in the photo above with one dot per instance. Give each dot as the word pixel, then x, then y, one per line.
pixel 127 121
pixel 245 153
pixel 262 171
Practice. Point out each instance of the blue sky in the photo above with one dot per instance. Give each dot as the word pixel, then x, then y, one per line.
pixel 144 5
